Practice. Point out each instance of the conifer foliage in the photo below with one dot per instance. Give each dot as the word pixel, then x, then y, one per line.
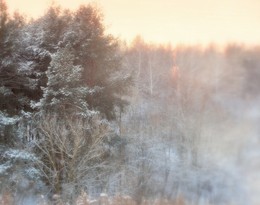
pixel 64 91
pixel 61 69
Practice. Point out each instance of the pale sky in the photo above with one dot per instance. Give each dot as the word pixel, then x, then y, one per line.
pixel 169 21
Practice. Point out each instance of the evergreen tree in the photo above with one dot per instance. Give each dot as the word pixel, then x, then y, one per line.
pixel 100 58
pixel 54 24
pixel 98 55
pixel 33 61
pixel 12 98
pixel 64 92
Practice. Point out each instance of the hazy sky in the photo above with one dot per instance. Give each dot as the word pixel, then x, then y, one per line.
pixel 175 21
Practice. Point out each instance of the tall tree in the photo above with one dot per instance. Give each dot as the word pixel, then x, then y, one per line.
pixel 64 92
pixel 13 100
pixel 99 56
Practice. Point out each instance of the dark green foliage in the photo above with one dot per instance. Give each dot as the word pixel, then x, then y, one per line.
pixel 64 65
pixel 64 92
pixel 99 56
pixel 95 52
pixel 11 82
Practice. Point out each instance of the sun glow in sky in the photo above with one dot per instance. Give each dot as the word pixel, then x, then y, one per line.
pixel 169 21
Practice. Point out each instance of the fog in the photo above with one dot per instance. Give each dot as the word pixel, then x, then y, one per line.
pixel 203 108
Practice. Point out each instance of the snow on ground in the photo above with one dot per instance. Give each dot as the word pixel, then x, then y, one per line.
pixel 251 154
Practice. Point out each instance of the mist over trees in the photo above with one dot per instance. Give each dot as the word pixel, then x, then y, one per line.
pixel 80 111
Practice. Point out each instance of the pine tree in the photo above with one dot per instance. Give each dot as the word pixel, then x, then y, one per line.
pixel 33 61
pixel 99 55
pixel 12 98
pixel 65 93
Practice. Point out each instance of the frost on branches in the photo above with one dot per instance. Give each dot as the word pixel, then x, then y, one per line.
pixel 65 91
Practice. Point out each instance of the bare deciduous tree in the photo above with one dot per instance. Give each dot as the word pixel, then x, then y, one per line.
pixel 72 152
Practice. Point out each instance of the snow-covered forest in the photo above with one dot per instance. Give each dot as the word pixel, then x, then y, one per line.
pixel 82 113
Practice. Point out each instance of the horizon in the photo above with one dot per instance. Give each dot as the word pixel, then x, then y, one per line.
pixel 174 22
